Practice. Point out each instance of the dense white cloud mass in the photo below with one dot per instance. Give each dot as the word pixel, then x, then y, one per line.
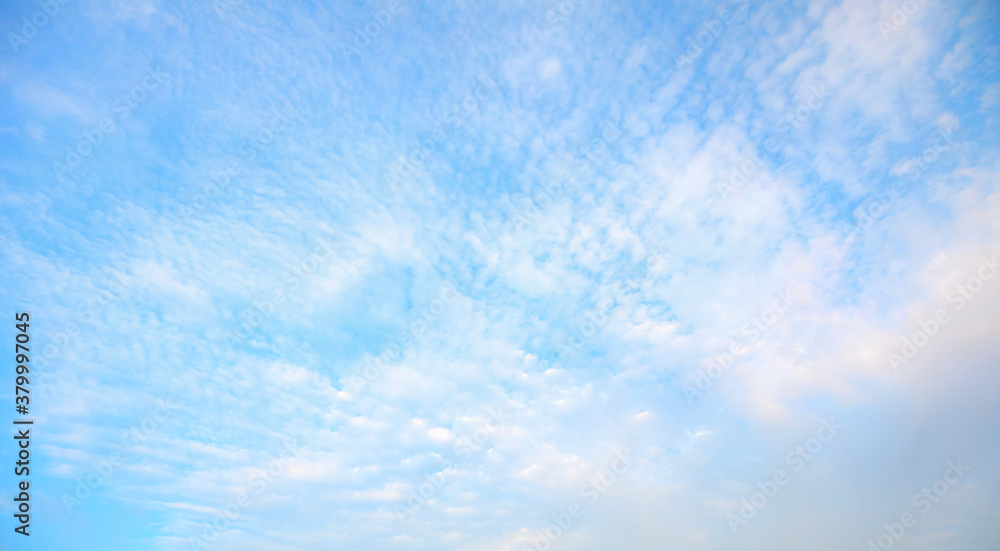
pixel 568 275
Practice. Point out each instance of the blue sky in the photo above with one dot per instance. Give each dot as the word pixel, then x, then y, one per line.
pixel 500 266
